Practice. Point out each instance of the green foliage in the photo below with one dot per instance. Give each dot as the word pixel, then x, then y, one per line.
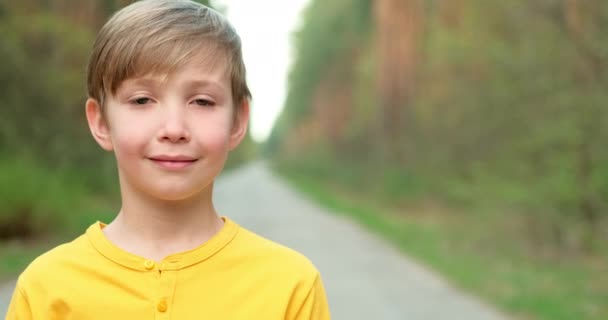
pixel 36 199
pixel 529 111
pixel 332 29
pixel 509 102
pixel 45 88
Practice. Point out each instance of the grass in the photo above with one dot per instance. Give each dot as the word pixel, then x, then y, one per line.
pixel 479 252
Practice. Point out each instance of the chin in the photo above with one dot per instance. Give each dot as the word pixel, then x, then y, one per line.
pixel 178 194
pixel 173 197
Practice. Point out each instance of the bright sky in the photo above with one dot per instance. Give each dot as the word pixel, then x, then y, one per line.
pixel 265 28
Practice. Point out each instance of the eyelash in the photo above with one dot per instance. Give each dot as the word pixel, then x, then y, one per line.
pixel 200 102
pixel 208 103
pixel 137 100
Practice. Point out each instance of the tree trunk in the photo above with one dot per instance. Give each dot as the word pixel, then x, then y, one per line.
pixel 398 24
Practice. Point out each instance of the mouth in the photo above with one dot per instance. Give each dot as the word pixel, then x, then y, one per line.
pixel 173 162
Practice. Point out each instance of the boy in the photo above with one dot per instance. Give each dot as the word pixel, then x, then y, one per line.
pixel 167 95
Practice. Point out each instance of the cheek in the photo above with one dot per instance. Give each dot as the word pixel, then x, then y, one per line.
pixel 213 133
pixel 128 143
pixel 129 135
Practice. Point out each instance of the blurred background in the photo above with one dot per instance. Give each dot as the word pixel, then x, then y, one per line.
pixel 471 134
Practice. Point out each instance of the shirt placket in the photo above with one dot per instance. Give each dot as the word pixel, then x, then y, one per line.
pixel 165 279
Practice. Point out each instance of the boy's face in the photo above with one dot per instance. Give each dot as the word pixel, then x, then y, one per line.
pixel 170 136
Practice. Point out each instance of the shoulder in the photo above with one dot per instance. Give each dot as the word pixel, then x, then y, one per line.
pixel 54 263
pixel 288 274
pixel 273 255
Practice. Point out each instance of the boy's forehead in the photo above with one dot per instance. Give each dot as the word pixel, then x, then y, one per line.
pixel 195 71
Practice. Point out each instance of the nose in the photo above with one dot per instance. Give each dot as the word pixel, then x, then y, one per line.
pixel 174 127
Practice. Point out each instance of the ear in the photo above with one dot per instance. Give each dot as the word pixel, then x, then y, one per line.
pixel 98 125
pixel 239 126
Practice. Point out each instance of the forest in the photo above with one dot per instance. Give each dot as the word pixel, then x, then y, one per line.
pixel 500 102
pixel 471 133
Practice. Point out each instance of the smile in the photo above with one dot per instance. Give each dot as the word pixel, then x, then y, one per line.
pixel 173 164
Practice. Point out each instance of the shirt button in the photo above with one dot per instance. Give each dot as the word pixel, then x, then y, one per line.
pixel 149 264
pixel 162 306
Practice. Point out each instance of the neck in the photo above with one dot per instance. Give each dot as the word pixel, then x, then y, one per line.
pixel 154 228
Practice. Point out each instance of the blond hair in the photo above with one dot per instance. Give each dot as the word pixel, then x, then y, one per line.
pixel 159 36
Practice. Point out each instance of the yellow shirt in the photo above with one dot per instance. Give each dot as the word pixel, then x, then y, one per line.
pixel 235 275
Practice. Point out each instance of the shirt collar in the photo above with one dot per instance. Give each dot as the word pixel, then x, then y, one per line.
pixel 172 262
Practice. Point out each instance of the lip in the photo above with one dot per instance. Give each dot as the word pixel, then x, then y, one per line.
pixel 172 158
pixel 173 162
